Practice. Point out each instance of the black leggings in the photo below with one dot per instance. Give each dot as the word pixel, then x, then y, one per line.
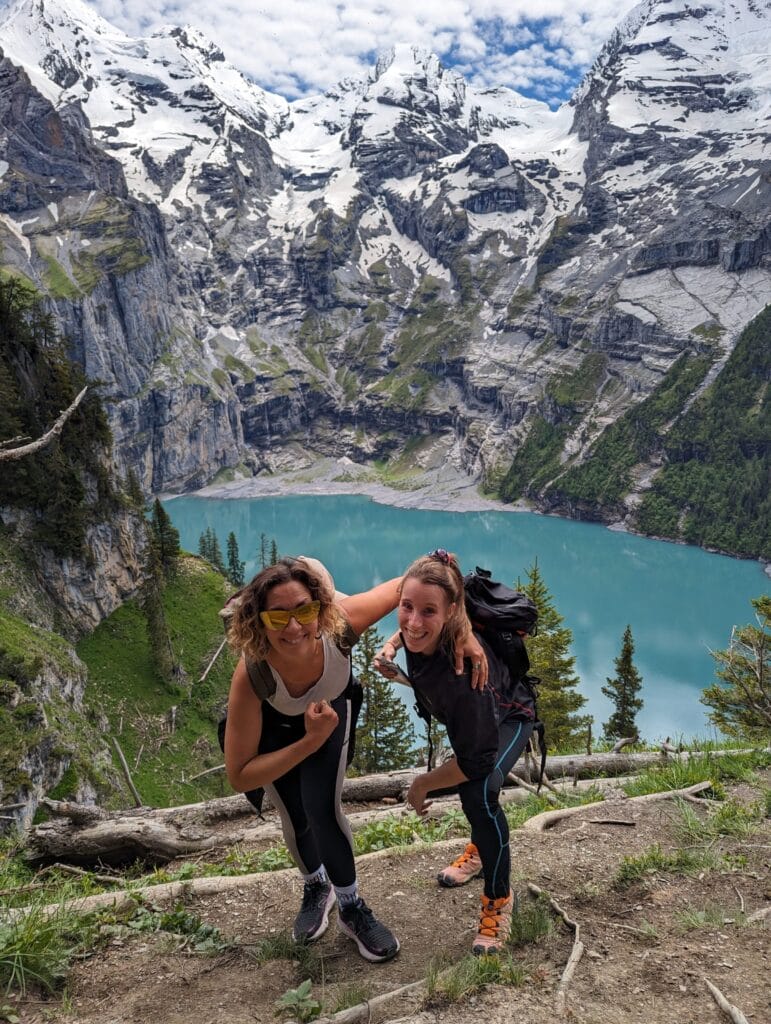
pixel 308 797
pixel 479 799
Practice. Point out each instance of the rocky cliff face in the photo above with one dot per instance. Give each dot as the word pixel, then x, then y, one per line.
pixel 404 255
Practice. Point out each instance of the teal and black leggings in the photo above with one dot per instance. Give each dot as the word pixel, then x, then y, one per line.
pixel 479 799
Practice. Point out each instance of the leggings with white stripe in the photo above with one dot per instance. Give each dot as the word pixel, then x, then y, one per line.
pixel 479 799
pixel 308 797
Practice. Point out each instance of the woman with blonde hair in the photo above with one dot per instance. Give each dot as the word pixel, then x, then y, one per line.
pixel 488 731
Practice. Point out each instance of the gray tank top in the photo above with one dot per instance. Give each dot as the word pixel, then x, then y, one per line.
pixel 331 683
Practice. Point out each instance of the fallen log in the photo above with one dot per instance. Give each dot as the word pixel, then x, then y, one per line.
pixel 157 839
pixel 394 785
pixel 117 841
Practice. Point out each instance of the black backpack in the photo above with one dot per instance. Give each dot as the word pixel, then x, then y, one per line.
pixel 503 617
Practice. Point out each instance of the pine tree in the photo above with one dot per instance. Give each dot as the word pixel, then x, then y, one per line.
pixel 134 491
pixel 623 690
pixel 273 551
pixel 216 552
pixel 551 662
pixel 741 701
pixel 385 737
pixel 263 551
pixel 235 565
pixel 165 538
pixel 209 548
pixel 204 547
pixel 161 651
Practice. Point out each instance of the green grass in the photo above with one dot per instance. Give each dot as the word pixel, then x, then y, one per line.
pixel 57 281
pixel 712 916
pixel 123 685
pixel 728 819
pixel 531 921
pixel 450 984
pixel 654 860
pixel 352 994
pixel 713 766
pixel 36 950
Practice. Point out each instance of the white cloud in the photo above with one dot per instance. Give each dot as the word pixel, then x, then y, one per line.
pixel 297 47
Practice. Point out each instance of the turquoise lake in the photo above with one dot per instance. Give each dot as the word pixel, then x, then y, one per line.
pixel 680 601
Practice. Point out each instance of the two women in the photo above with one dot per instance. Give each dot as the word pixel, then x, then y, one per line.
pixel 488 731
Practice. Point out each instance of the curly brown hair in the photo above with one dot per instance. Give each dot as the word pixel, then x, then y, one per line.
pixel 247 635
pixel 441 569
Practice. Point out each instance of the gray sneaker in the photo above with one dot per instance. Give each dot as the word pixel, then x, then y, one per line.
pixel 313 919
pixel 375 941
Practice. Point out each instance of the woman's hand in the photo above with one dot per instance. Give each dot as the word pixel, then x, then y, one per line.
pixel 384 658
pixel 320 721
pixel 473 650
pixel 416 795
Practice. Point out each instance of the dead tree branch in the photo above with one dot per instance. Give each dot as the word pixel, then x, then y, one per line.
pixel 575 953
pixel 11 454
pixel 549 818
pixel 732 1012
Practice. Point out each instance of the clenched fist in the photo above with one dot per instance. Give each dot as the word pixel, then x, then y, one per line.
pixel 320 721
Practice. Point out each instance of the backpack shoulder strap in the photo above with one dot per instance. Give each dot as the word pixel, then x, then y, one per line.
pixel 261 678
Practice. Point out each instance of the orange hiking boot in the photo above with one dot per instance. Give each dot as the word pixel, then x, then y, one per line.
pixel 494 925
pixel 462 869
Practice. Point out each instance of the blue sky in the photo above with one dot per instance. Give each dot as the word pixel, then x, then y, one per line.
pixel 300 47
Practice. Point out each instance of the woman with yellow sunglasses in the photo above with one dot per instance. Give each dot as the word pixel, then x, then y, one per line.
pixel 294 741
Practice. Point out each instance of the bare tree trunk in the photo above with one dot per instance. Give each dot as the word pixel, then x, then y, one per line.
pixel 11 454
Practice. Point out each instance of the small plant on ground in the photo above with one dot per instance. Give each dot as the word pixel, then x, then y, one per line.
pixel 185 930
pixel 393 831
pixel 531 922
pixel 648 932
pixel 683 862
pixel 37 948
pixel 445 985
pixel 299 1004
pixel 711 916
pixel 282 946
pixel 351 995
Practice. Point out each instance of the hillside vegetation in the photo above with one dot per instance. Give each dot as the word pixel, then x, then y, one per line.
pixel 167 733
pixel 714 490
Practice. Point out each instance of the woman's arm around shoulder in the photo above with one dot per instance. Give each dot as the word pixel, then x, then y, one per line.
pixel 365 609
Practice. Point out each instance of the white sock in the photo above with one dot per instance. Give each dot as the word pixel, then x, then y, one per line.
pixel 317 876
pixel 347 894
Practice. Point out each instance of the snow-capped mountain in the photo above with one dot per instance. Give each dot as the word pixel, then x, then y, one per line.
pixel 402 256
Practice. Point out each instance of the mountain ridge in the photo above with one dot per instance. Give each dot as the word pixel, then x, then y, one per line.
pixel 407 254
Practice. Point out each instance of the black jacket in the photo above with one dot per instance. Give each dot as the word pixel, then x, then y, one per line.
pixel 470 717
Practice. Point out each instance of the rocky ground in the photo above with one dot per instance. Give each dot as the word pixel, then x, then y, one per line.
pixel 434 485
pixel 645 959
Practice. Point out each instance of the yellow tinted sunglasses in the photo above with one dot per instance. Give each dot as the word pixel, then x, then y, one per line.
pixel 279 618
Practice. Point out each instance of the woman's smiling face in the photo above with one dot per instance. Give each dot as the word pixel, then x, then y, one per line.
pixel 422 613
pixel 294 637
